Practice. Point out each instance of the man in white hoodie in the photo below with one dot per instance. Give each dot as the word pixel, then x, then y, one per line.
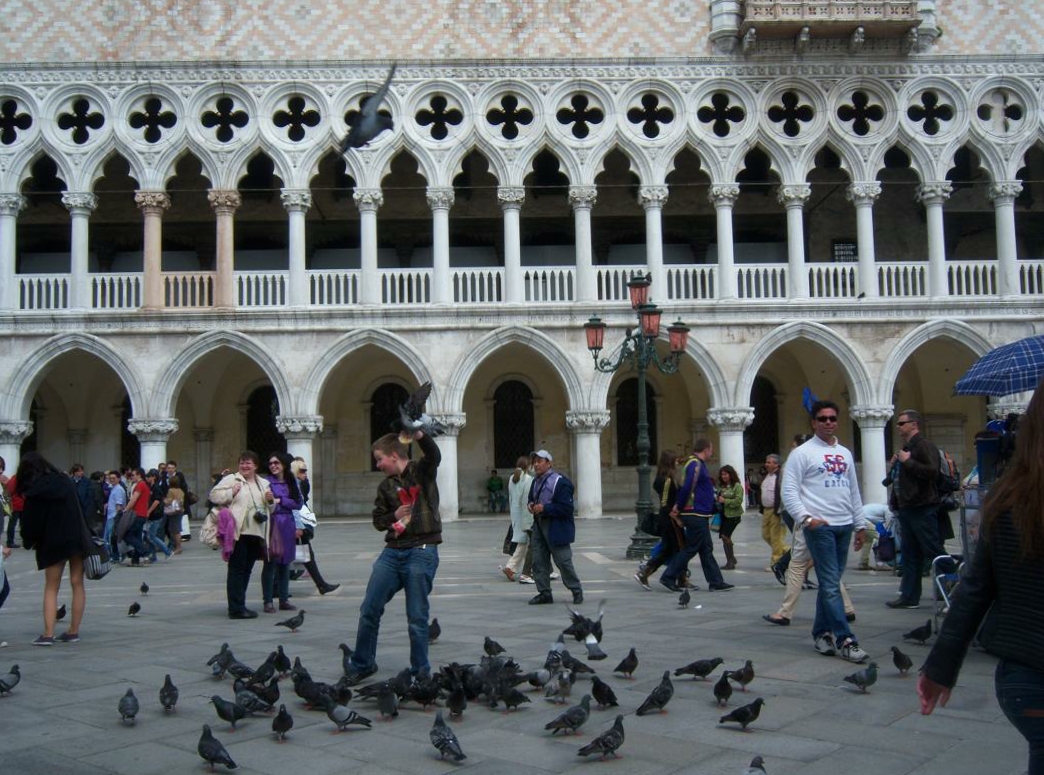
pixel 821 492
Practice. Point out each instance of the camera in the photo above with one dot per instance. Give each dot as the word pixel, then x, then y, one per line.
pixel 260 517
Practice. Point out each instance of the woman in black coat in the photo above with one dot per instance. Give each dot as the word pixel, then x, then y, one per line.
pixel 53 525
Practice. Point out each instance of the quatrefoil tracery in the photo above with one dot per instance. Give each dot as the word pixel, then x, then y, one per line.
pixel 930 113
pixel 297 118
pixel 81 120
pixel 791 114
pixel 11 122
pixel 509 116
pixel 154 119
pixel 225 120
pixel 720 114
pixel 861 113
pixel 439 116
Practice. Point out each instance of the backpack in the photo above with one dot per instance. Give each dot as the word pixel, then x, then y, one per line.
pixel 949 477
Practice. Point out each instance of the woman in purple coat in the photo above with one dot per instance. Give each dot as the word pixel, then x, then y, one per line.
pixel 282 534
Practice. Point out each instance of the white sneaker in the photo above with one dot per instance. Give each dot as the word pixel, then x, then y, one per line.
pixel 524 579
pixel 555 575
pixel 824 644
pixel 850 651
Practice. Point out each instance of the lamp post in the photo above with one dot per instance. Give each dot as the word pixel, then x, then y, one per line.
pixel 639 352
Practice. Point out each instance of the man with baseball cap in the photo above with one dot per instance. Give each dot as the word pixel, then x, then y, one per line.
pixel 551 504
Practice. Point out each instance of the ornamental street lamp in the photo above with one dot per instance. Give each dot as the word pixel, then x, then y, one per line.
pixel 639 352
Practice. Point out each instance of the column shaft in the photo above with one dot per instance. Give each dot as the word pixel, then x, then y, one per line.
pixel 933 195
pixel 296 203
pixel 583 199
pixel 1003 195
pixel 652 199
pixel 10 206
pixel 587 427
pixel 872 421
pixel 794 198
pixel 152 205
pixel 724 197
pixel 225 204
pixel 511 199
pixel 368 200
pixel 80 206
pixel 441 200
pixel 863 195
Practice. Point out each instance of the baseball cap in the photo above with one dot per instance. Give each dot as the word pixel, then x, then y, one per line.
pixel 544 454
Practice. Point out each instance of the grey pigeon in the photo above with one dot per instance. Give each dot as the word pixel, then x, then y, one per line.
pixel 539 678
pixel 293 622
pixel 512 698
pixel 603 693
pixel 744 675
pixel 239 670
pixel 369 122
pixel 745 714
pixel 757 767
pixel 60 613
pixel 134 608
pixel 128 706
pixel 10 679
pixel 168 695
pixel 444 740
pixel 658 697
pixel 457 701
pixel 594 651
pixel 606 743
pixel 343 717
pixel 491 647
pixel 723 689
pixel 412 417
pixel 628 664
pixel 228 711
pixel 684 598
pixel 387 701
pixel 266 671
pixel 865 678
pixel 901 661
pixel 220 656
pixel 282 723
pixel 144 588
pixel 920 634
pixel 251 703
pixel 701 668
pixel 573 718
pixel 569 662
pixel 282 661
pixel 212 752
pixel 560 686
pixel 434 630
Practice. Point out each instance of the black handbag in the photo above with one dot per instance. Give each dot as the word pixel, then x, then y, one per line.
pixel 509 545
pixel 650 524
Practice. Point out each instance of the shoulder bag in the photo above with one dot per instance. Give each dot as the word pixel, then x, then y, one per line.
pixel 96 560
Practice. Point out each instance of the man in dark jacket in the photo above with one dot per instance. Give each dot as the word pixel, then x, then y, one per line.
pixel 916 499
pixel 551 504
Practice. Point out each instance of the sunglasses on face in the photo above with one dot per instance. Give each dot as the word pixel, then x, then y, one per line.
pixel 901 423
pixel 826 418
pixel 274 463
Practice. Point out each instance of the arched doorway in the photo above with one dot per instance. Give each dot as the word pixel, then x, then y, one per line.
pixel 384 410
pixel 761 437
pixel 262 410
pixel 512 423
pixel 627 423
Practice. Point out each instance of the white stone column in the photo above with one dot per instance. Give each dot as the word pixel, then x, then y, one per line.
pixel 296 202
pixel 511 199
pixel 204 439
pixel 153 435
pixel 730 423
pixel 583 198
pixel 152 205
pixel 872 421
pixel 793 198
pixel 1003 194
pixel 326 481
pixel 440 200
pixel 12 434
pixel 368 200
pixel 723 196
pixel 10 206
pixel 863 194
pixel 586 427
pixel 225 204
pixel 449 492
pixel 933 195
pixel 80 205
pixel 652 200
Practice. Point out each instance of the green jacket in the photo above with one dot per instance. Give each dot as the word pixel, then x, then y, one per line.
pixel 733 500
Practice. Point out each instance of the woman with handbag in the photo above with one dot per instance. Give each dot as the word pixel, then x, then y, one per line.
pixel 519 484
pixel 282 534
pixel 248 499
pixel 53 525
pixel 306 524
pixel 665 490
pixel 730 503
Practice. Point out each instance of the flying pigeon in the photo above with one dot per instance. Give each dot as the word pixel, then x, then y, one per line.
pixel 684 599
pixel 658 697
pixel 744 675
pixel 212 752
pixel 757 767
pixel 901 661
pixel 412 417
pixel 745 714
pixel 128 706
pixel 343 717
pixel 491 647
pixel 228 711
pixel 60 613
pixel 603 693
pixel 368 123
pixel 920 634
pixel 293 622
pixel 282 723
pixel 134 608
pixel 582 626
pixel 144 588
pixel 864 679
pixel 723 689
pixel 434 630
pixel 444 740
pixel 701 668
pixel 168 695
pixel 628 664
pixel 10 679
pixel 573 718
pixel 606 743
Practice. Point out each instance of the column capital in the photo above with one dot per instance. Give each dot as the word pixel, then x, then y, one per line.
pixel 79 202
pixel 152 202
pixel 583 197
pixel 934 192
pixel 587 420
pixel 296 199
pixel 872 416
pixel 793 195
pixel 453 422
pixel 153 430
pixel 653 197
pixel 863 192
pixel 15 431
pixel 1001 409
pixel 305 426
pixel 440 197
pixel 203 434
pixel 1004 191
pixel 730 418
pixel 368 199
pixel 12 204
pixel 224 202
pixel 511 197
pixel 723 194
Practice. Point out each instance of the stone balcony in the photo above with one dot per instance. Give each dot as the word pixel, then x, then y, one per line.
pixel 803 20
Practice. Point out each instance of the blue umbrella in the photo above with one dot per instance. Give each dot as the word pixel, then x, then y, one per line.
pixel 1011 368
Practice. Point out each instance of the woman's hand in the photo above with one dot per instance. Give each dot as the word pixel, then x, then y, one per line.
pixel 298 533
pixel 930 693
pixel 236 488
pixel 270 497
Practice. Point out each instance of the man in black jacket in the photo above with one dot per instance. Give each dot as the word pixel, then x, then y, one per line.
pixel 916 495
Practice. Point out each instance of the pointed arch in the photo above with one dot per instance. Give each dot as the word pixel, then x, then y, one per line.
pixel 934 329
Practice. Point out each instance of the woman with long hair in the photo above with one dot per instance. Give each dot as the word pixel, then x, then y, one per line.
pixel 519 484
pixel 1002 592
pixel 665 492
pixel 730 496
pixel 282 533
pixel 53 525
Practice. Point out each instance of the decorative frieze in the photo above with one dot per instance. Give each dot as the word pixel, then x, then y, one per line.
pixel 296 199
pixel 872 416
pixel 368 199
pixel 587 421
pixel 153 430
pixel 453 422
pixel 299 427
pixel 734 419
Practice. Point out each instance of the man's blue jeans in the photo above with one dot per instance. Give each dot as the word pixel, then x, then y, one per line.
pixel 1020 692
pixel 828 545
pixel 110 526
pixel 698 540
pixel 152 529
pixel 395 569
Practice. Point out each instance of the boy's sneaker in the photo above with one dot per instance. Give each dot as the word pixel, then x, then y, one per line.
pixel 642 579
pixel 851 652
pixel 69 637
pixel 555 575
pixel 824 644
pixel 524 579
pixel 43 640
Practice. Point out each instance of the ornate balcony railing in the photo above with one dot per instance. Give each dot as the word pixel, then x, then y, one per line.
pixel 116 291
pixel 902 279
pixel 406 286
pixel 478 286
pixel 829 18
pixel 188 290
pixel 691 282
pixel 549 283
pixel 261 289
pixel 334 287
pixel 43 291
pixel 761 281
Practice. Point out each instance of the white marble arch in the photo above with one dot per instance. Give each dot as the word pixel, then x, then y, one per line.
pixel 168 384
pixel 934 329
pixel 851 363
pixel 310 392
pixel 30 371
pixel 539 343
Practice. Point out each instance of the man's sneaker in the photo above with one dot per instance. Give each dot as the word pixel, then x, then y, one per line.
pixel 824 644
pixel 671 586
pixel 554 575
pixel 900 603
pixel 69 637
pixel 352 677
pixel 43 640
pixel 578 597
pixel 524 579
pixel 642 579
pixel 810 585
pixel 851 652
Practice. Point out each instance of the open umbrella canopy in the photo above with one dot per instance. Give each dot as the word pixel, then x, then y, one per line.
pixel 1011 368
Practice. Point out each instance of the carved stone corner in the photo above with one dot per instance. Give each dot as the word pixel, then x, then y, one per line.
pixel 299 427
pixel 872 416
pixel 15 431
pixel 731 419
pixel 454 422
pixel 153 430
pixel 587 421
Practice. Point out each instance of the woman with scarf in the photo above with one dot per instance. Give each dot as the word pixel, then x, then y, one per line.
pixel 282 533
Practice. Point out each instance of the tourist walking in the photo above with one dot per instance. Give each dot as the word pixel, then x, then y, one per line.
pixel 519 485
pixel 551 504
pixel 730 499
pixel 665 491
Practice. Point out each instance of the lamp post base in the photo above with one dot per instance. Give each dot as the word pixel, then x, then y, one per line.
pixel 641 545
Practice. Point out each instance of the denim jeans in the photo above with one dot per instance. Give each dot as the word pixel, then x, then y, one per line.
pixel 698 540
pixel 828 545
pixel 921 545
pixel 110 526
pixel 12 523
pixel 1020 692
pixel 395 569
pixel 275 578
pixel 134 539
pixel 152 531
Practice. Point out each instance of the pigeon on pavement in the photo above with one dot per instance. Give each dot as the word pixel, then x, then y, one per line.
pixel 457 700
pixel 606 743
pixel 757 767
pixel 701 668
pixel 594 651
pixel 144 588
pixel 723 689
pixel 369 122
pixel 282 661
pixel 573 718
pixel 168 695
pixel 212 752
pixel 745 714
pixel 743 675
pixel 10 679
pixel 251 703
pixel 658 697
pixel 920 634
pixel 865 678
pixel 560 686
pixel 901 661
pixel 134 608
pixel 293 622
pixel 344 717
pixel 387 701
pixel 412 417
pixel 628 664
pixel 434 630
pixel 491 647
pixel 228 711
pixel 128 706
pixel 282 723
pixel 603 693
pixel 684 599
pixel 444 740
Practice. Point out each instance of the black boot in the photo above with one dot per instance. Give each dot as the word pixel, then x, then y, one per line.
pixel 730 553
pixel 320 583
